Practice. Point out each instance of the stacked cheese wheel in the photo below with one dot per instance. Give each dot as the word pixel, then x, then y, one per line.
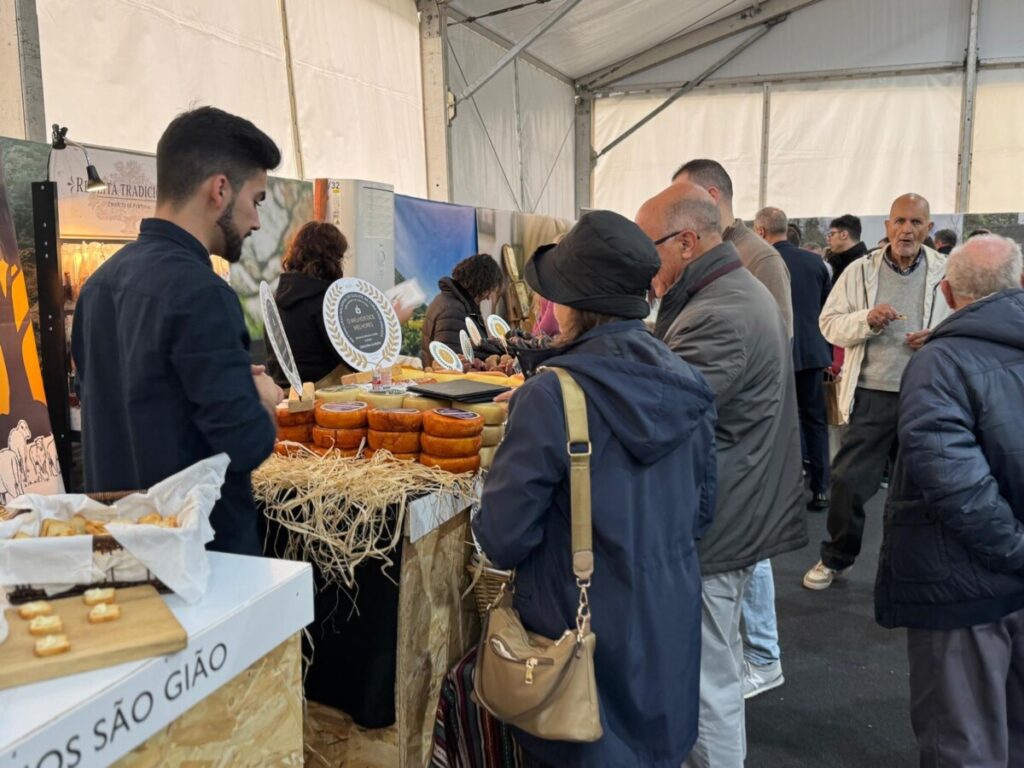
pixel 396 430
pixel 451 439
pixel 293 428
pixel 494 430
pixel 340 426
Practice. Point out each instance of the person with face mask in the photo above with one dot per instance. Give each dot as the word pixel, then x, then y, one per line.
pixel 159 340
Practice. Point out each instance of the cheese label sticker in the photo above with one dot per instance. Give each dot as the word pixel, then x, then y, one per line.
pixel 343 407
pixel 455 413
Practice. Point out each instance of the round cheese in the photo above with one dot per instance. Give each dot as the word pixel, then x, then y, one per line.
pixel 493 435
pixel 388 399
pixel 450 447
pixel 465 464
pixel 349 415
pixel 338 438
pixel 396 456
pixel 421 403
pixel 493 413
pixel 396 442
pixel 300 434
pixel 343 393
pixel 452 422
pixel 487 456
pixel 286 418
pixel 395 420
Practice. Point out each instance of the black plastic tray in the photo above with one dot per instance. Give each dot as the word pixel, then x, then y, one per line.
pixel 461 391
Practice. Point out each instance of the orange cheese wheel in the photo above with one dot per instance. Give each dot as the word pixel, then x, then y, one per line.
pixel 464 464
pixel 338 438
pixel 396 456
pixel 286 418
pixel 351 415
pixel 452 422
pixel 450 447
pixel 396 442
pixel 292 449
pixel 299 434
pixel 395 420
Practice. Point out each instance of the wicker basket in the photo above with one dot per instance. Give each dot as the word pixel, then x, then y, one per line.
pixel 487 581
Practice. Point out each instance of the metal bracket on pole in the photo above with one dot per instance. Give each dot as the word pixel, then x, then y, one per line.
pixel 686 89
pixel 963 179
pixel 519 47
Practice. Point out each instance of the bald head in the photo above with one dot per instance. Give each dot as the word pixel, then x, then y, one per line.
pixel 687 213
pixel 771 224
pixel 908 225
pixel 983 265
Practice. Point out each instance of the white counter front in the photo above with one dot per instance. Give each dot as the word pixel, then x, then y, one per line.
pixel 253 605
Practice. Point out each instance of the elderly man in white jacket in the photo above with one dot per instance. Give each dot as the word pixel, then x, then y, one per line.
pixel 880 311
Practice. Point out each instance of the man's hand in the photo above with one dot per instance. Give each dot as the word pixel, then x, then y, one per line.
pixel 917 339
pixel 881 316
pixel 270 394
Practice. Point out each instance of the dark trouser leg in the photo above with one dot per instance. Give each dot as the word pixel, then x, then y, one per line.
pixel 857 473
pixel 958 693
pixel 810 398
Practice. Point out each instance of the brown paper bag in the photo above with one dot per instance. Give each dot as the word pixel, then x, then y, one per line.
pixel 832 413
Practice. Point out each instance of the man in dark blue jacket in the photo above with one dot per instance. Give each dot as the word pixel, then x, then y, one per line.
pixel 952 562
pixel 159 341
pixel 810 284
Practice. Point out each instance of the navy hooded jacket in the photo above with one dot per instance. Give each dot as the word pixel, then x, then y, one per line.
pixel 653 471
pixel 953 547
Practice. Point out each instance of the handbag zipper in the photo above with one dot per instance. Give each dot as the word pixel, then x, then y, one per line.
pixel 503 653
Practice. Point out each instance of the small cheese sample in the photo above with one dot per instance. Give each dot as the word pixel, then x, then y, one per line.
pixel 171 521
pixel 494 413
pixel 104 612
pixel 45 625
pixel 395 420
pixel 286 418
pixel 350 415
pixel 493 435
pixel 421 403
pixel 52 527
pixel 343 393
pixel 300 434
pixel 151 519
pixel 78 523
pixel 396 442
pixel 99 595
pixel 457 466
pixel 387 399
pixel 32 610
pixel 51 645
pixel 452 422
pixel 450 447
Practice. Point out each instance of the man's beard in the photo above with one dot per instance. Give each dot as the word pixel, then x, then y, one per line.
pixel 232 240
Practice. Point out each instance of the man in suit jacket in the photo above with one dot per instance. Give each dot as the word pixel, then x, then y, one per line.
pixel 810 284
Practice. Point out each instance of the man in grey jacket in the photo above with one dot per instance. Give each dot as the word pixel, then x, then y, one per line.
pixel 715 315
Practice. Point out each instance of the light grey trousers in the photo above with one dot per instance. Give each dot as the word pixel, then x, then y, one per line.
pixel 722 732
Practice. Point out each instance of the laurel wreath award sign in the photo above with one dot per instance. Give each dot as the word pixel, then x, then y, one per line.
pixel 362 324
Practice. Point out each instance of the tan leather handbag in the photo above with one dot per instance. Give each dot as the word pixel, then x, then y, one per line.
pixel 546 687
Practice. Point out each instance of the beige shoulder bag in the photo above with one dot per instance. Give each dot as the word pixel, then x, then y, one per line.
pixel 542 686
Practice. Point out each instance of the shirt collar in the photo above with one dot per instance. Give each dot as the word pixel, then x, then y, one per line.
pixel 896 267
pixel 168 230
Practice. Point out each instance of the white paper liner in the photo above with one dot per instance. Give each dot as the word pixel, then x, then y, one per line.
pixel 176 556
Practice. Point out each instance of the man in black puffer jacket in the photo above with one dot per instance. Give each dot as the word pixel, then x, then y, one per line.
pixel 952 562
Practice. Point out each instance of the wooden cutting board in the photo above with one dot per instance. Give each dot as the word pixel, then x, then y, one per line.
pixel 146 628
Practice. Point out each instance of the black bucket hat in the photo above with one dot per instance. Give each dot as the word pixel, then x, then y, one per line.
pixel 604 264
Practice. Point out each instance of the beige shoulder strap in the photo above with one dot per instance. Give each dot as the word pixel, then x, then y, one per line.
pixel 578 447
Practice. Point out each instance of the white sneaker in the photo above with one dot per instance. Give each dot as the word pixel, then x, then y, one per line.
pixel 821 576
pixel 758 678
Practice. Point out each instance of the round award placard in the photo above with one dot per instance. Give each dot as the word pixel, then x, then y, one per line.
pixel 474 332
pixel 362 324
pixel 445 356
pixel 497 327
pixel 278 340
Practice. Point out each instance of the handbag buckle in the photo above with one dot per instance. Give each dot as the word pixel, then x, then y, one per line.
pixel 578 450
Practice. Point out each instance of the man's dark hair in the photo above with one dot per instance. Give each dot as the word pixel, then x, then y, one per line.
pixel 707 173
pixel 794 235
pixel 479 275
pixel 946 237
pixel 849 223
pixel 979 231
pixel 207 141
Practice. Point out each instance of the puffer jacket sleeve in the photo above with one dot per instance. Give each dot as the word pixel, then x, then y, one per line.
pixel 844 319
pixel 943 458
pixel 530 466
pixel 447 325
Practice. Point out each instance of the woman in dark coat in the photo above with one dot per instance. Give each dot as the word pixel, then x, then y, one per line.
pixel 311 264
pixel 473 281
pixel 653 470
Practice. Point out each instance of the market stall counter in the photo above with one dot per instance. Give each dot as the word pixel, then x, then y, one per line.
pixel 233 696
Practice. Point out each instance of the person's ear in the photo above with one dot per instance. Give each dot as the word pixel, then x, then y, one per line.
pixel 219 191
pixel 947 293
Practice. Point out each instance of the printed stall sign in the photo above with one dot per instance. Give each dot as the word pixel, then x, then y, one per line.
pixel 362 324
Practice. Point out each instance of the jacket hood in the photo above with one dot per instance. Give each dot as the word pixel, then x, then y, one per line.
pixel 998 318
pixel 295 287
pixel 651 400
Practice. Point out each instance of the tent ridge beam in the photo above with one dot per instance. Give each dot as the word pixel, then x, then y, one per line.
pixel 519 47
pixel 754 15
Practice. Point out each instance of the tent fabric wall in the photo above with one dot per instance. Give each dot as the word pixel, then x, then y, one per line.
pixel 724 126
pixel 488 138
pixel 998 161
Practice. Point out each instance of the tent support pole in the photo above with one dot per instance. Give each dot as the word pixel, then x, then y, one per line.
pixel 766 120
pixel 437 113
pixel 30 64
pixel 965 156
pixel 296 136
pixel 584 150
